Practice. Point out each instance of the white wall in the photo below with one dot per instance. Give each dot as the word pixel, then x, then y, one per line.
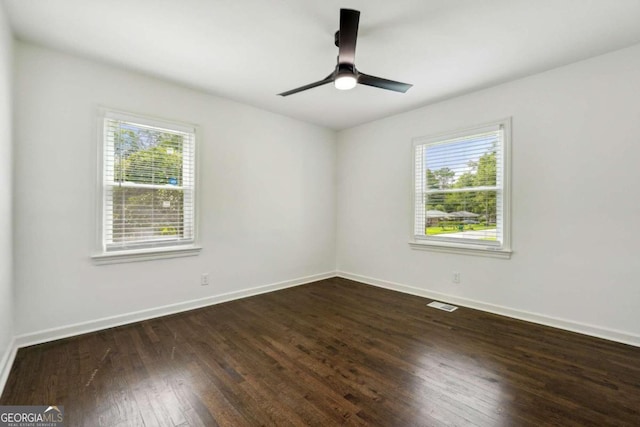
pixel 269 200
pixel 576 206
pixel 267 187
pixel 6 173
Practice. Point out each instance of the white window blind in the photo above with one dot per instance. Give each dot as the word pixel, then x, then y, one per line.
pixel 148 184
pixel 460 188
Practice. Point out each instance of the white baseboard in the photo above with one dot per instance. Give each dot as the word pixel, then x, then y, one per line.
pixel 123 319
pixel 569 325
pixel 7 362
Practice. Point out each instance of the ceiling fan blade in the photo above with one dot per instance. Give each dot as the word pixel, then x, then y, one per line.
pixel 348 34
pixel 326 80
pixel 365 79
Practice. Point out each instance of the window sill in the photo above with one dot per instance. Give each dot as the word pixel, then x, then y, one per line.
pixel 145 255
pixel 462 249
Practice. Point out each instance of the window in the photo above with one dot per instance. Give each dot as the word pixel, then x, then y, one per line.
pixel 148 187
pixel 461 200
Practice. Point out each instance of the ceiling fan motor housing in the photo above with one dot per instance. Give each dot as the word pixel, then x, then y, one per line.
pixel 346 69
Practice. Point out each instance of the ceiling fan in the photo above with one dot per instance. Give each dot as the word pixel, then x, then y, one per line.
pixel 346 76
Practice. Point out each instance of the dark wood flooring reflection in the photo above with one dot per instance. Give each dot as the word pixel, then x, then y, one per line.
pixel 330 353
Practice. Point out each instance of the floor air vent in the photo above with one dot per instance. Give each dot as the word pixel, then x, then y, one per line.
pixel 442 306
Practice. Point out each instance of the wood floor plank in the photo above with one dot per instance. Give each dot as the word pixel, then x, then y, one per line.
pixel 334 352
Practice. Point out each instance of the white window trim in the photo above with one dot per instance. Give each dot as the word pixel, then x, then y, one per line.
pixel 146 254
pixel 100 256
pixel 505 250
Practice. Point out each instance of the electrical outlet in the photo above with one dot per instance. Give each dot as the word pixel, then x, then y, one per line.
pixel 204 279
pixel 456 277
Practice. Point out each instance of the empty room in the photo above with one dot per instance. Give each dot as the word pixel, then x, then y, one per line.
pixel 305 213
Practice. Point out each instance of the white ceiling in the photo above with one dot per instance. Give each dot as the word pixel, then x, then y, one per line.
pixel 250 50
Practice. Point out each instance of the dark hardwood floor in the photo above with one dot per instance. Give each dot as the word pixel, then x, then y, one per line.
pixel 330 353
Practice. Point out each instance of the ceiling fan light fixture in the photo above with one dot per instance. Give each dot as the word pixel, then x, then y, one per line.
pixel 345 76
pixel 345 81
